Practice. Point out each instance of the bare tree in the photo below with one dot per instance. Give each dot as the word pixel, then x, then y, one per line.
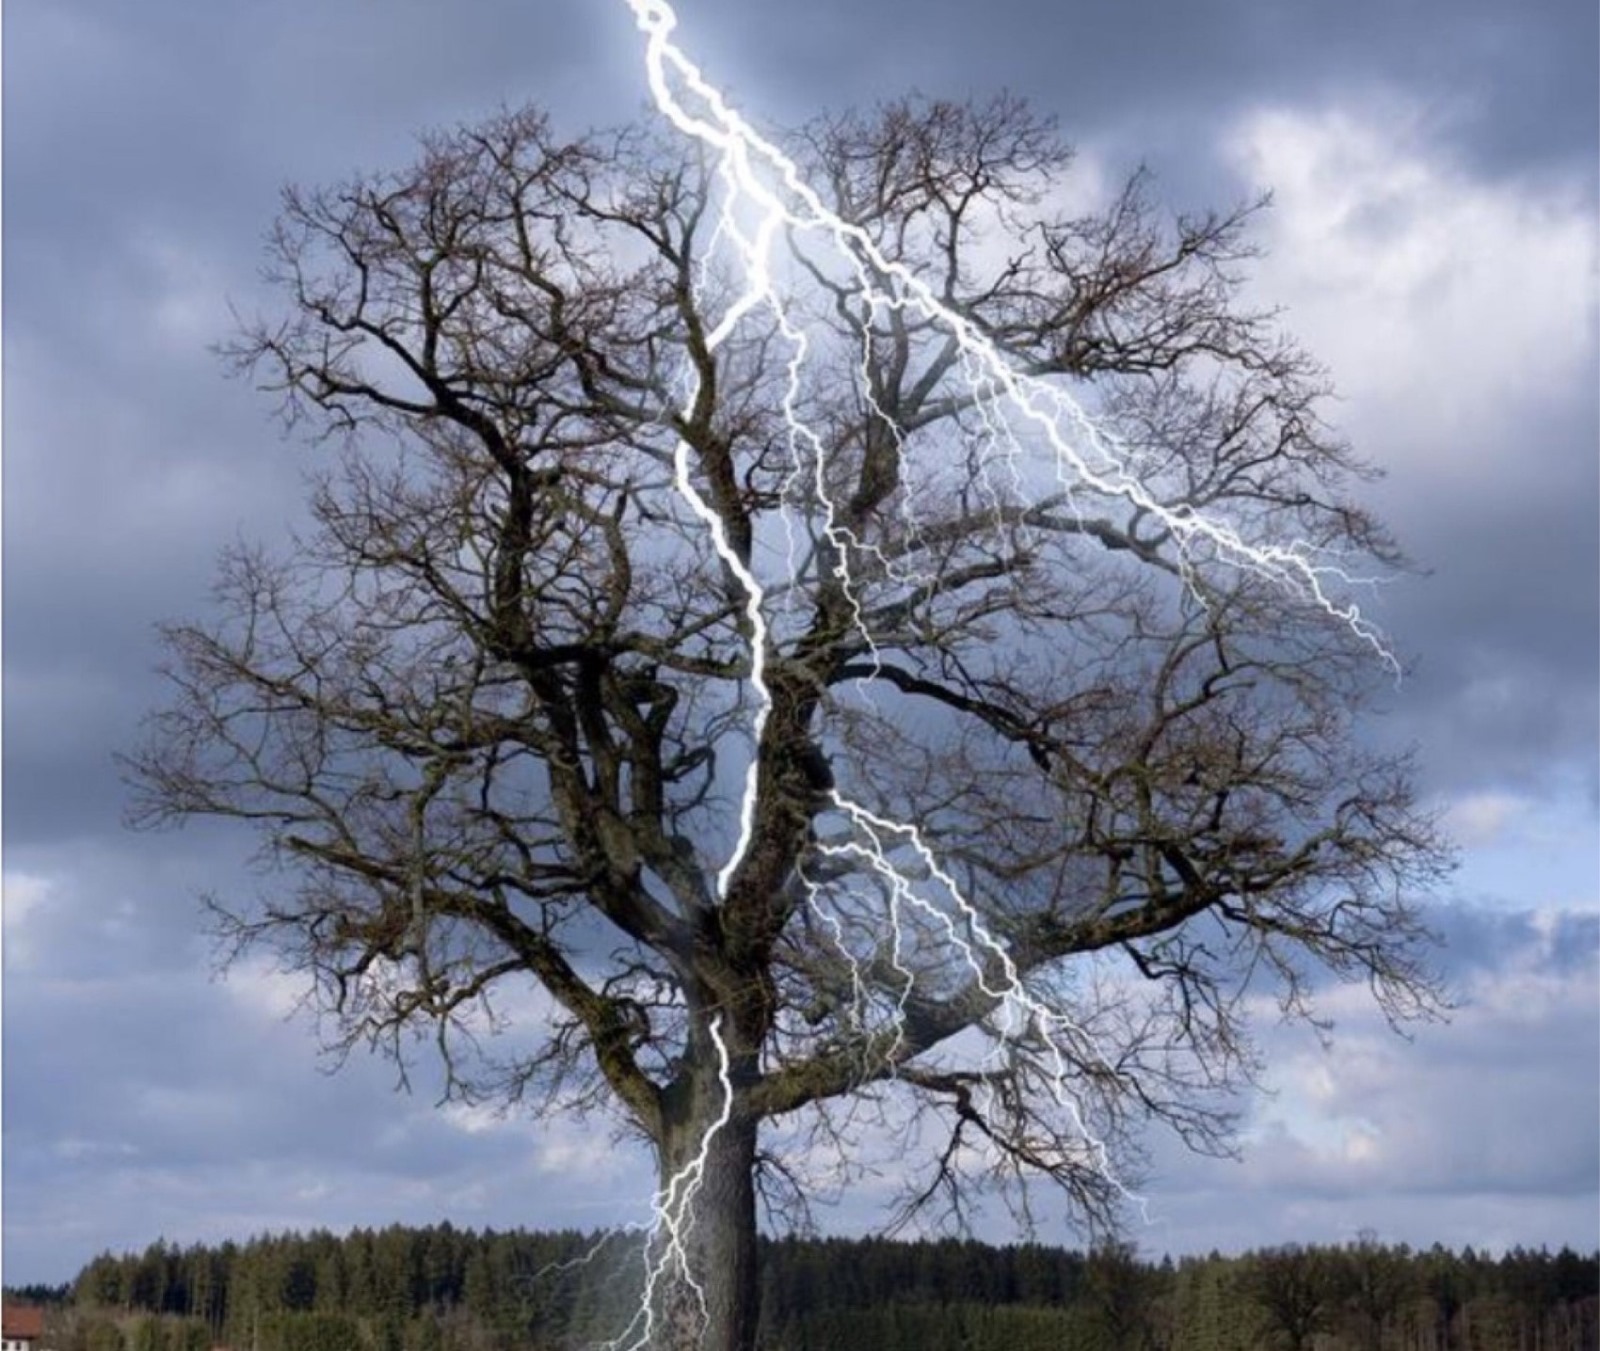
pixel 766 689
pixel 1296 1290
pixel 1375 1281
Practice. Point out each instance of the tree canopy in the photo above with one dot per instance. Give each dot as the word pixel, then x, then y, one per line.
pixel 801 683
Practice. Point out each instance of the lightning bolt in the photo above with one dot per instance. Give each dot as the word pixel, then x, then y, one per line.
pixel 743 153
pixel 994 971
pixel 765 198
pixel 667 1237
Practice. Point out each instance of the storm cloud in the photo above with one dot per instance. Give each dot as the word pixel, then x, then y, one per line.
pixel 1431 238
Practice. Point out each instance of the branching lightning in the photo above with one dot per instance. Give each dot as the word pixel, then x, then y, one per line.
pixel 743 153
pixel 666 1236
pixel 994 972
pixel 765 200
pixel 668 1256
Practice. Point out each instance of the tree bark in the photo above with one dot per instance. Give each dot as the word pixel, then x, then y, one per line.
pixel 718 1232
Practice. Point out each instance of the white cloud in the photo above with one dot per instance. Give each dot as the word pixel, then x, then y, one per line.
pixel 1484 818
pixel 1457 316
pixel 265 989
pixel 1445 305
pixel 1536 849
pixel 1485 1114
pixel 576 1153
pixel 21 897
pixel 474 1118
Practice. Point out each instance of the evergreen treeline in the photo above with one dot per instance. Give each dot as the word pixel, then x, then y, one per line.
pixel 446 1289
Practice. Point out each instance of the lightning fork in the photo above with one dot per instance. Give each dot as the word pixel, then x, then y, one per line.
pixel 768 188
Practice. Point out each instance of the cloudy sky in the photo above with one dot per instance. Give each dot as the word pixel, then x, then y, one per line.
pixel 1432 240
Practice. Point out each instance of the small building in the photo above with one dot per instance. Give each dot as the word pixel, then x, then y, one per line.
pixel 21 1327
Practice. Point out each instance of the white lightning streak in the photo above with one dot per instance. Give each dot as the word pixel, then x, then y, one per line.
pixel 766 196
pixel 982 953
pixel 673 1219
pixel 1043 404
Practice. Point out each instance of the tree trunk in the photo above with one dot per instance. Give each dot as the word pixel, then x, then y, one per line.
pixel 716 1237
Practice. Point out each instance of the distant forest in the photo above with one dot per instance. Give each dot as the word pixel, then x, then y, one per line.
pixel 448 1289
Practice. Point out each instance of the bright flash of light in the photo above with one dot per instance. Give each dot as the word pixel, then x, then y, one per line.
pixel 668 1258
pixel 666 1236
pixel 749 162
pixel 994 972
pixel 764 199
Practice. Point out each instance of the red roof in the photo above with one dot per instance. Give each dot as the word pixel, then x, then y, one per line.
pixel 22 1320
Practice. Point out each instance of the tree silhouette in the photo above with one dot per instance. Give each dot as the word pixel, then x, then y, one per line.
pixel 1296 1289
pixel 1033 784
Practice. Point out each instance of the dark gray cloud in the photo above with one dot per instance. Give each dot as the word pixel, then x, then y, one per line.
pixel 1477 941
pixel 1503 618
pixel 144 150
pixel 1516 84
pixel 1388 252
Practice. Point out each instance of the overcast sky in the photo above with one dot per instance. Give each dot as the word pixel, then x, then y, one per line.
pixel 1433 240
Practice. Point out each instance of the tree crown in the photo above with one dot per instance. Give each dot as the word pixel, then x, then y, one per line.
pixel 806 710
